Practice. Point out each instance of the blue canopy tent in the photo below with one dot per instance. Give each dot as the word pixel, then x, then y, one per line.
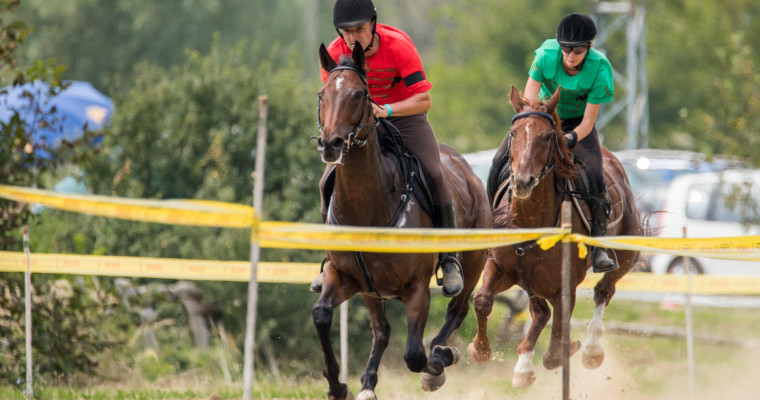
pixel 53 119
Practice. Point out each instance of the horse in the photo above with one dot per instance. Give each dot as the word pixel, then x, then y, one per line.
pixel 541 170
pixel 367 192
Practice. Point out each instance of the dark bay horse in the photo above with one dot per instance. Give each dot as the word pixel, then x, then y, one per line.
pixel 367 192
pixel 541 169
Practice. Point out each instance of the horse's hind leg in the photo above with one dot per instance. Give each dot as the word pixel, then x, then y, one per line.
pixel 381 330
pixel 593 352
pixel 442 355
pixel 494 281
pixel 332 295
pixel 554 353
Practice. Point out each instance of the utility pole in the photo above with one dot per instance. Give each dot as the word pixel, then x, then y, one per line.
pixel 629 17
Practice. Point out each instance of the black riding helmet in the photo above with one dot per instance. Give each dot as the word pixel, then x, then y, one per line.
pixel 352 13
pixel 576 30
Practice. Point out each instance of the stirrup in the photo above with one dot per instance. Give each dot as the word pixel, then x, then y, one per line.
pixel 602 263
pixel 316 284
pixel 456 287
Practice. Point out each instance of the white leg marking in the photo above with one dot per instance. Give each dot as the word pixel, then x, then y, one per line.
pixel 593 353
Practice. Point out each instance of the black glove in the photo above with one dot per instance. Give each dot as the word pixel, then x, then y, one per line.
pixel 571 139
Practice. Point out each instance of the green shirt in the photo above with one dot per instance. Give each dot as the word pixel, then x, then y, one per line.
pixel 593 84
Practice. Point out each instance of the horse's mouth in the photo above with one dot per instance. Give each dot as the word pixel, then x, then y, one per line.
pixel 520 189
pixel 332 158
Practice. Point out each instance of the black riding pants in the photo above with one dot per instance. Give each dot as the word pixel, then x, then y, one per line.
pixel 588 151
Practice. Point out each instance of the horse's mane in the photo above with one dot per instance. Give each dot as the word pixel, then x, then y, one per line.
pixel 563 166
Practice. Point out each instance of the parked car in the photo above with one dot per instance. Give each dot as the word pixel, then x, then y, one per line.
pixel 713 204
pixel 650 171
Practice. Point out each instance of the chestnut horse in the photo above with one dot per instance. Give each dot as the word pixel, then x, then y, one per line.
pixel 368 183
pixel 541 170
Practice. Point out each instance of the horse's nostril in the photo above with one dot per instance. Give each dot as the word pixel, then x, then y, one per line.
pixel 337 143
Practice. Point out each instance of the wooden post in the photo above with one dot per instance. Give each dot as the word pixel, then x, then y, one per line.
pixel 344 341
pixel 689 324
pixel 567 223
pixel 28 314
pixel 253 283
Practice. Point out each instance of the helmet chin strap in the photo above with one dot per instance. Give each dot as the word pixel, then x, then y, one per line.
pixel 371 42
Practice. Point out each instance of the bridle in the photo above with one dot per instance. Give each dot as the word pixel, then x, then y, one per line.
pixel 353 136
pixel 549 165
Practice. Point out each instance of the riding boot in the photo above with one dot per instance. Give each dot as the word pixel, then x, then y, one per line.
pixel 316 284
pixel 452 281
pixel 600 210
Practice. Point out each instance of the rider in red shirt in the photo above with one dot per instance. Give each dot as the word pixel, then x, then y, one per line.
pixel 398 86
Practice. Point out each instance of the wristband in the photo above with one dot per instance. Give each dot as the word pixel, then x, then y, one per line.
pixel 574 140
pixel 390 111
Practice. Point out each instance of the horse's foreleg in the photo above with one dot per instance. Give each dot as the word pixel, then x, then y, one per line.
pixel 322 314
pixel 380 330
pixel 554 354
pixel 459 306
pixel 524 371
pixel 493 282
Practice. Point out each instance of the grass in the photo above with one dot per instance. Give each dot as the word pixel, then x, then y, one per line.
pixel 636 366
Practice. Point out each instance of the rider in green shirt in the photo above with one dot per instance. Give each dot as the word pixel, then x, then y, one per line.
pixel 585 77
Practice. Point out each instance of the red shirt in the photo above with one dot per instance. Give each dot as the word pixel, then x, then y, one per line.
pixel 394 72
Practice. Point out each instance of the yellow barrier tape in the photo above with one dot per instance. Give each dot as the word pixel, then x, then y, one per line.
pixel 393 240
pixel 303 273
pixel 702 284
pixel 179 212
pixel 387 240
pixel 745 248
pixel 162 268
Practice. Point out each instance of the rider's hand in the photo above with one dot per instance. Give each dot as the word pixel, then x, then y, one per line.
pixel 571 139
pixel 379 111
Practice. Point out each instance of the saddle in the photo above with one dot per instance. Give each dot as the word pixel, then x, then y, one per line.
pixel 409 166
pixel 579 190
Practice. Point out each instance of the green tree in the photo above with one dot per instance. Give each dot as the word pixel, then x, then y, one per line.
pixel 191 132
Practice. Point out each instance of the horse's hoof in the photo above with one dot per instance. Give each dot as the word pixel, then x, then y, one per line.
pixel 522 380
pixel 593 357
pixel 430 382
pixel 449 355
pixel 478 357
pixel 455 353
pixel 349 395
pixel 367 394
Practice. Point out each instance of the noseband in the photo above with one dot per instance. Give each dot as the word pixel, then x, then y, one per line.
pixel 353 139
pixel 550 161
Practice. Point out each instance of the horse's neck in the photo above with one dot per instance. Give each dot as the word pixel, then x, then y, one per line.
pixel 540 210
pixel 364 187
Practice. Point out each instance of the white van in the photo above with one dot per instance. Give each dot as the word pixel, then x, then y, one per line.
pixel 712 204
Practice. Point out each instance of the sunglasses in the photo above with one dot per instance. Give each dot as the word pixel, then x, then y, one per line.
pixel 576 50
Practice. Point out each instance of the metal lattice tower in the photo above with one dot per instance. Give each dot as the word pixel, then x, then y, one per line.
pixel 628 16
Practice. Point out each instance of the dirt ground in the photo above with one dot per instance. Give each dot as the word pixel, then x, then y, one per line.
pixel 610 381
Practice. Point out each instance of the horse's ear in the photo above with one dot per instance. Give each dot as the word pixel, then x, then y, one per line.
pixel 358 55
pixel 326 59
pixel 551 105
pixel 516 98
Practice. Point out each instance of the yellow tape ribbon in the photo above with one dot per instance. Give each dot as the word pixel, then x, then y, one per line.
pixel 179 212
